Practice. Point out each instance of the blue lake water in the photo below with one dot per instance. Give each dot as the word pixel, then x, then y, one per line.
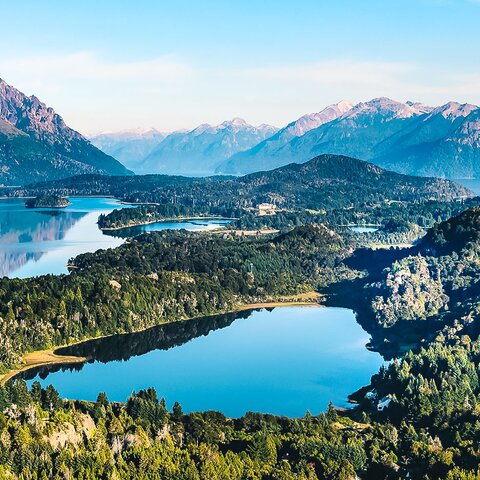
pixel 283 361
pixel 191 225
pixel 40 241
pixel 472 184
pixel 360 229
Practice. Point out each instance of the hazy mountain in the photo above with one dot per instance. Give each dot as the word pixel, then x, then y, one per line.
pixel 445 142
pixel 36 144
pixel 406 137
pixel 240 162
pixel 200 151
pixel 129 146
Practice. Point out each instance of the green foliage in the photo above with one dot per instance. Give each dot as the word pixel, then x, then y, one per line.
pixel 47 201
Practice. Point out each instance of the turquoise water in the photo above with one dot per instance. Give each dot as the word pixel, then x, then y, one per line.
pixel 191 225
pixel 359 229
pixel 40 241
pixel 472 184
pixel 283 361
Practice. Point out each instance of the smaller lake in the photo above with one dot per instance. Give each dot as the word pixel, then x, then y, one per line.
pixel 190 225
pixel 472 183
pixel 360 229
pixel 281 361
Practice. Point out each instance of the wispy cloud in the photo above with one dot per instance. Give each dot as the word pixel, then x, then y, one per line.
pixel 88 66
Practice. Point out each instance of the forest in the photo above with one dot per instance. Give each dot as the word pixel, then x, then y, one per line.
pixel 429 430
pixel 325 182
pixel 47 201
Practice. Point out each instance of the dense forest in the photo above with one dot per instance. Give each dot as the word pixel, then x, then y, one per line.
pixel 428 292
pixel 47 201
pixel 325 182
pixel 126 217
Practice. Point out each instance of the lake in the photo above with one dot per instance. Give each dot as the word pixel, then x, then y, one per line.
pixel 281 361
pixel 360 229
pixel 191 225
pixel 471 183
pixel 39 241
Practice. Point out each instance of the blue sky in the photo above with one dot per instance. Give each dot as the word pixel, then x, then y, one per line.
pixel 107 65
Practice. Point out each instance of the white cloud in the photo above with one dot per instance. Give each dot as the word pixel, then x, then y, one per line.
pixel 88 66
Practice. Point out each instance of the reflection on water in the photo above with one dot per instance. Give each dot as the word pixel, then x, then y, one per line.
pixel 361 229
pixel 281 361
pixel 39 241
pixel 124 346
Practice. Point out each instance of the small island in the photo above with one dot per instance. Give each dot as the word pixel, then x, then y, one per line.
pixel 48 201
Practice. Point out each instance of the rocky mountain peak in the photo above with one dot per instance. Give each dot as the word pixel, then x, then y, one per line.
pixel 454 110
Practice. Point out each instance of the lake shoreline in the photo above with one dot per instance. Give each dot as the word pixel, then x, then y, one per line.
pixel 41 358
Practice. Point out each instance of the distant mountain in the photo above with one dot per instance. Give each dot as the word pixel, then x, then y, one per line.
pixel 36 144
pixel 129 146
pixel 240 162
pixel 407 137
pixel 200 151
pixel 444 142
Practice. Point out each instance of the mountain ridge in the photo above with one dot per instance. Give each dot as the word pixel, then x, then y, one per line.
pixel 409 138
pixel 200 150
pixel 326 181
pixel 52 150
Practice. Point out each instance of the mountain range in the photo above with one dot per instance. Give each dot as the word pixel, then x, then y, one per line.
pixel 36 144
pixel 409 138
pixel 130 147
pixel 193 152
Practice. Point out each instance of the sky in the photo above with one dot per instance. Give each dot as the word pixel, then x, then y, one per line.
pixel 115 64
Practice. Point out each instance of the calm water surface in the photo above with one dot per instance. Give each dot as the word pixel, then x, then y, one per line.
pixel 40 241
pixel 472 184
pixel 191 225
pixel 283 361
pixel 360 229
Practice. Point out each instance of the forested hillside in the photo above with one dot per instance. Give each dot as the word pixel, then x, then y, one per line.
pixel 435 283
pixel 327 181
pixel 159 278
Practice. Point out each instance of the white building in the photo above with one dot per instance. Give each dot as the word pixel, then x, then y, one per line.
pixel 384 403
pixel 371 395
